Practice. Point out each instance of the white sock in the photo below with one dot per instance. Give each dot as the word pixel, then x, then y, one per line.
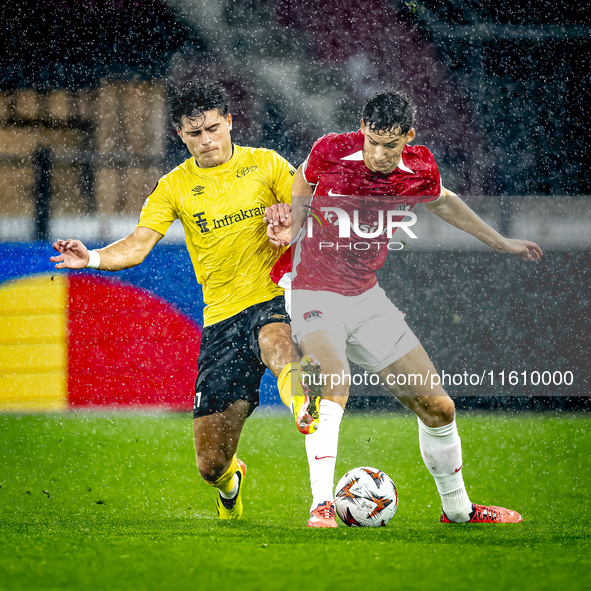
pixel 321 448
pixel 234 490
pixel 441 449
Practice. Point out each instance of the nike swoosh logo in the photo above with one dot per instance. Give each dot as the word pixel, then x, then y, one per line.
pixel 336 194
pixel 322 457
pixel 458 469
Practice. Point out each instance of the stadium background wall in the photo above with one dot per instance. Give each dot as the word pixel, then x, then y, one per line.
pixel 93 339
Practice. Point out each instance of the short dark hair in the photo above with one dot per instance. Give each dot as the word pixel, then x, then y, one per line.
pixel 389 110
pixel 193 98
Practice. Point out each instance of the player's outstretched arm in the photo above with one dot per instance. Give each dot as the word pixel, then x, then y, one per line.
pixel 123 254
pixel 450 208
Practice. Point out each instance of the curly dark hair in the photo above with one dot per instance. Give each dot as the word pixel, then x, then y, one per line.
pixel 389 110
pixel 193 98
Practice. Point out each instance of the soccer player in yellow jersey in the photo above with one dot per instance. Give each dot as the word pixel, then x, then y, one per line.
pixel 220 195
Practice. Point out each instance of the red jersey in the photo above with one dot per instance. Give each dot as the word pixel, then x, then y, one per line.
pixel 342 180
pixel 281 267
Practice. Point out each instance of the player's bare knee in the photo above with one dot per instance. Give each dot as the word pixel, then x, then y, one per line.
pixel 442 411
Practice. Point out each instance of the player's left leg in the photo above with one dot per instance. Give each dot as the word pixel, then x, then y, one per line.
pixel 275 346
pixel 439 441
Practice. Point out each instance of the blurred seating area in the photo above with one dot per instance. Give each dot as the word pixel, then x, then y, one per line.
pixel 94 151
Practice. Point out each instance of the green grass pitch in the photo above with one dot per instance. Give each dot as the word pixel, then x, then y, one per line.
pixel 113 501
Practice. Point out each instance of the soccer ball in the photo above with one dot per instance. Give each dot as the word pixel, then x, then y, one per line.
pixel 366 497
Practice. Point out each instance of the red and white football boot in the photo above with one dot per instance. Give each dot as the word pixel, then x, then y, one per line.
pixel 323 516
pixel 484 514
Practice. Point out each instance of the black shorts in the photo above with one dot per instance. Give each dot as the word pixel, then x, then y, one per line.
pixel 229 362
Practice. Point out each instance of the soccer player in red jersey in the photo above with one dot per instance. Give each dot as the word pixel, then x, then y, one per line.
pixel 351 188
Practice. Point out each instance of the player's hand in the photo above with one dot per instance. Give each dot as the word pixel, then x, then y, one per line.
pixel 279 235
pixel 72 254
pixel 524 249
pixel 279 214
pixel 278 220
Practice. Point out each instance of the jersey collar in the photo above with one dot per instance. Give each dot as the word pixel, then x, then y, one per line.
pixel 220 168
pixel 358 156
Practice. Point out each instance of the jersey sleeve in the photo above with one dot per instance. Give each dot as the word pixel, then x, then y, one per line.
pixel 432 188
pixel 314 163
pixel 281 175
pixel 158 211
pixel 434 199
pixel 282 266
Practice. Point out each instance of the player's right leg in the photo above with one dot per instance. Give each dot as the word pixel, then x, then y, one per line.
pixel 319 328
pixel 322 445
pixel 226 392
pixel 216 441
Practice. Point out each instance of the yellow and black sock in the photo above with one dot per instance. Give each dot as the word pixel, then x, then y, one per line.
pixel 226 482
pixel 284 382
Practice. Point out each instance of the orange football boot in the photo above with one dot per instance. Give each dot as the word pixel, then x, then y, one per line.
pixel 484 514
pixel 323 516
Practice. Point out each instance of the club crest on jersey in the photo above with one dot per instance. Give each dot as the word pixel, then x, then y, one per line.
pixel 198 190
pixel 242 172
pixel 313 314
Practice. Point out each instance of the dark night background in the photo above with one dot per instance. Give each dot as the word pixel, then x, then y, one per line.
pixel 502 86
pixel 503 94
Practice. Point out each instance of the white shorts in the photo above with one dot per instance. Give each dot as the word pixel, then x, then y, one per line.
pixel 285 282
pixel 372 328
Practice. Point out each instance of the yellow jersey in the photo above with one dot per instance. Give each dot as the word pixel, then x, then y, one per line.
pixel 221 209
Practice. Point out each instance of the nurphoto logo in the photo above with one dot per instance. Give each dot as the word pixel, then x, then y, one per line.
pixel 385 225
